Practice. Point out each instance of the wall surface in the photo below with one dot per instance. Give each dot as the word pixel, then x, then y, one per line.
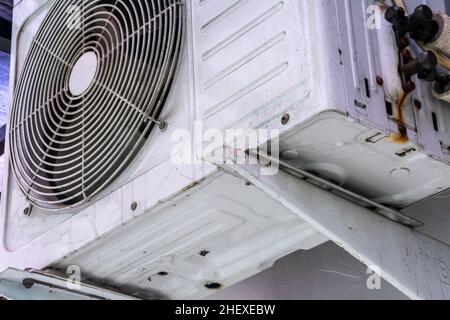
pixel 4 84
pixel 325 272
pixel 4 92
pixel 6 9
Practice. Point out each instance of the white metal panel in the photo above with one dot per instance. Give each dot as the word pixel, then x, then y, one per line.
pixel 242 230
pixel 151 181
pixel 162 183
pixel 34 285
pixel 177 112
pixel 253 60
pixel 366 161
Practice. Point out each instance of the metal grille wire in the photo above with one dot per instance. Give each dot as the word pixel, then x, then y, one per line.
pixel 66 148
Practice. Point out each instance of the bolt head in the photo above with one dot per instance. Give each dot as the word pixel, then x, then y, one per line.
pixel 285 119
pixel 394 13
pixel 418 104
pixel 380 81
pixel 163 126
pixel 204 253
pixel 424 12
pixel 27 211
pixel 213 285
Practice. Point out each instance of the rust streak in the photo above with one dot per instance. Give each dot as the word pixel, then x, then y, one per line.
pixel 401 137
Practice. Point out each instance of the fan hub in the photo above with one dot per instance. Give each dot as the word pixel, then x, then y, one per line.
pixel 83 73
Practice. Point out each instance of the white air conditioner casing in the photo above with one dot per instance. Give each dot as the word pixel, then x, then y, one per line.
pixel 299 66
pixel 322 72
pixel 194 222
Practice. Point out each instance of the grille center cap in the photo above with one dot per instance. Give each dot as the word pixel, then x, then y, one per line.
pixel 83 73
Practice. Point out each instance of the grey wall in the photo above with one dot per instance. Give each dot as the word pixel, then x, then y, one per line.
pixel 6 9
pixel 325 272
pixel 4 85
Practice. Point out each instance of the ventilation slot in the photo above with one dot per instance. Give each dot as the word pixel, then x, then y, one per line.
pixel 389 109
pixel 435 122
pixel 367 87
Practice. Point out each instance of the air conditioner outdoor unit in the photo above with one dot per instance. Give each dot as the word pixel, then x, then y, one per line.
pixel 103 89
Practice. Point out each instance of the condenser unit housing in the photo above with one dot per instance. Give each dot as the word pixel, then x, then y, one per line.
pixel 99 89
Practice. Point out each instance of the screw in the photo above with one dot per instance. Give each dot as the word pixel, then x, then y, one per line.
pixel 163 126
pixel 285 119
pixel 28 283
pixel 204 253
pixel 394 13
pixel 380 81
pixel 417 104
pixel 27 211
pixel 134 206
pixel 213 285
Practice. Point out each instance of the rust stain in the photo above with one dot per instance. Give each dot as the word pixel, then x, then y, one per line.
pixel 190 186
pixel 401 137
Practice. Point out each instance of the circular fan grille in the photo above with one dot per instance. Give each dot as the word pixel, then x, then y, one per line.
pixel 95 79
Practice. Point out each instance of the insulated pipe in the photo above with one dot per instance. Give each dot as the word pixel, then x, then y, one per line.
pixel 441 42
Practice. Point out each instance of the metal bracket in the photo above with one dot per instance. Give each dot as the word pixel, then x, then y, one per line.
pixel 412 262
pixel 362 201
pixel 36 285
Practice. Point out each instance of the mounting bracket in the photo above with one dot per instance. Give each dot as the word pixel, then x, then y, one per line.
pixel 412 262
